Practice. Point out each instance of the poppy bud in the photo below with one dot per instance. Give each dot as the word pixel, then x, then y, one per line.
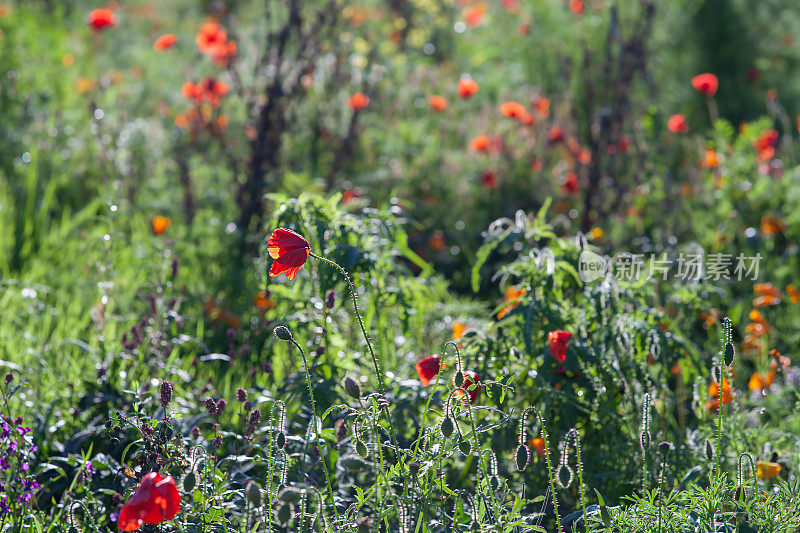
pixel 290 495
pixel 522 457
pixel 464 446
pixel 729 353
pixel 285 514
pixel 709 450
pixel 280 440
pixel 665 447
pixel 253 493
pixel 283 333
pixel 413 469
pixel 362 449
pixel 447 427
pixel 166 393
pixel 189 482
pixel 352 387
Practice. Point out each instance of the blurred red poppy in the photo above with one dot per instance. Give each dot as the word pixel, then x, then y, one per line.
pixel 571 184
pixel 210 38
pixel 358 101
pixel 428 368
pixel 677 124
pixel 576 6
pixel 706 84
pixel 559 340
pixel 206 90
pixel 290 251
pixel 438 103
pixel 512 110
pixel 156 500
pixel 467 88
pixel 470 377
pixel 489 179
pixel 542 105
pixel 556 135
pixel 101 18
pixel 165 42
pixel 479 143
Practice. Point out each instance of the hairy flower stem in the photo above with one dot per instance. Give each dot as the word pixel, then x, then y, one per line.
pixel 375 363
pixel 547 459
pixel 314 414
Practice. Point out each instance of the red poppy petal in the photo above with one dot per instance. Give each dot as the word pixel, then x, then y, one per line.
pixel 284 240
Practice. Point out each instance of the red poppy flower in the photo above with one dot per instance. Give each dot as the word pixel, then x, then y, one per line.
pixel 512 110
pixel 210 38
pixel 101 18
pixel 160 224
pixel 556 135
pixel 576 6
pixel 165 42
pixel 358 101
pixel 542 105
pixel 489 179
pixel 467 88
pixel 768 139
pixel 206 90
pixel 479 143
pixel 223 53
pixel 290 251
pixel 571 184
pixel 428 368
pixel 677 124
pixel 470 377
pixel 438 103
pixel 156 500
pixel 559 340
pixel 706 84
pixel 474 15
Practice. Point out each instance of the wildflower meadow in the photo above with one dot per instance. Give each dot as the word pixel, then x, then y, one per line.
pixel 416 266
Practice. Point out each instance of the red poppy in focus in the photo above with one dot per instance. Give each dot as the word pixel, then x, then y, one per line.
pixel 160 224
pixel 165 42
pixel 470 377
pixel 101 18
pixel 156 500
pixel 559 340
pixel 467 88
pixel 290 251
pixel 570 185
pixel 358 101
pixel 512 110
pixel 479 143
pixel 706 84
pixel 428 368
pixel 210 38
pixel 438 103
pixel 677 124
pixel 489 179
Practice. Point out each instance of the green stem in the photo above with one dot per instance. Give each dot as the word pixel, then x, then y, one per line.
pixel 314 413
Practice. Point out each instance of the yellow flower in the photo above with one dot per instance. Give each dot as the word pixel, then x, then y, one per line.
pixel 767 470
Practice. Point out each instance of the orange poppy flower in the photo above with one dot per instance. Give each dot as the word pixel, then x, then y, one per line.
pixel 513 293
pixel 766 289
pixel 763 301
pixel 165 42
pixel 438 103
pixel 512 110
pixel 757 382
pixel 713 391
pixel 100 19
pixel 290 251
pixel 436 240
pixel 767 469
pixel 772 225
pixel 160 224
pixel 794 294
pixel 538 445
pixel 757 328
pixel 479 143
pixel 756 316
pixel 210 38
pixel 710 159
pixel 459 329
pixel 677 124
pixel 767 139
pixel 223 53
pixel 263 302
pixel 542 105
pixel 474 15
pixel 358 101
pixel 556 135
pixel 706 84
pixel 467 88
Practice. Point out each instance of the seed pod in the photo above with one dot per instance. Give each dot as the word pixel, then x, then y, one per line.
pixel 280 440
pixel 283 333
pixel 522 457
pixel 352 387
pixel 729 353
pixel 447 427
pixel 352 461
pixel 290 495
pixel 189 482
pixel 464 446
pixel 458 380
pixel 413 469
pixel 709 450
pixel 253 493
pixel 494 483
pixel 285 514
